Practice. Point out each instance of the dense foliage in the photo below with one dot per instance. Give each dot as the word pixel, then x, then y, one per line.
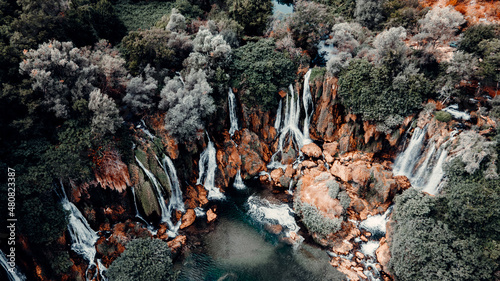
pixel 261 71
pixel 143 259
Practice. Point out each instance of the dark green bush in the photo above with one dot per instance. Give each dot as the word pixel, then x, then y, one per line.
pixel 474 35
pixel 261 71
pixel 442 116
pixel 143 259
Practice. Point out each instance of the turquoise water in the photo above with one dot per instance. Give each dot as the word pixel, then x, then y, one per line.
pixel 282 8
pixel 239 249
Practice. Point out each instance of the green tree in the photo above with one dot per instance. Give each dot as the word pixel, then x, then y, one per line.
pixel 475 34
pixel 143 260
pixel 260 71
pixel 251 14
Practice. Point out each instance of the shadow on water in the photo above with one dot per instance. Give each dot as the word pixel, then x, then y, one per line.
pixel 240 249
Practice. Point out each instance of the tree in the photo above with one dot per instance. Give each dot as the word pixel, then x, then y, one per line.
pixel 438 26
pixel 188 105
pixel 251 14
pixel 475 34
pixel 308 23
pixel 210 51
pixel 143 259
pixel 141 90
pixel 106 117
pixel 371 91
pixel 390 50
pixel 157 47
pixel 177 22
pixel 368 12
pixel 347 36
pixel 425 248
pixel 260 71
pixel 489 68
pixel 63 73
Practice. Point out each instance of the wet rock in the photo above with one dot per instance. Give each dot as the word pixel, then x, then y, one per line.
pixel 197 196
pixel 340 171
pixel 331 148
pixel 188 218
pixel 211 216
pixel 311 150
pixel 308 164
pixel 177 243
pixel 274 228
pixel 383 254
pixel 276 174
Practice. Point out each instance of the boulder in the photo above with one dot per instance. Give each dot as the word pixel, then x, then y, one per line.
pixel 383 254
pixel 340 171
pixel 211 216
pixel 188 218
pixel 331 148
pixel 311 150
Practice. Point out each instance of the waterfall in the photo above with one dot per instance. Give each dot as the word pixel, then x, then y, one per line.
pixel 207 166
pixel 232 112
pixel 165 214
pixel 144 128
pixel 238 181
pixel 176 198
pixel 290 128
pixel 277 122
pixel 102 269
pixel 290 187
pixel 406 161
pixel 13 274
pixel 424 170
pixel 265 212
pixel 307 101
pixel 137 214
pixel 83 238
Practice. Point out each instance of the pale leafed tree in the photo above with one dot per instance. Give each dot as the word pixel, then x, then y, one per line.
pixel 188 104
pixel 177 22
pixel 62 72
pixel 338 62
pixel 106 117
pixel 368 12
pixel 390 49
pixel 438 26
pixel 346 37
pixel 141 90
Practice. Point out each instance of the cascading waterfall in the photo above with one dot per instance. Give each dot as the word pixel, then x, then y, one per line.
pixel 137 214
pixel 83 238
pixel 207 166
pixel 265 212
pixel 165 214
pixel 406 161
pixel 15 274
pixel 424 170
pixel 238 182
pixel 277 122
pixel 144 128
pixel 232 112
pixel 307 100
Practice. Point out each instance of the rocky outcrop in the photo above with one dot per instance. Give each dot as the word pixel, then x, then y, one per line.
pixel 311 150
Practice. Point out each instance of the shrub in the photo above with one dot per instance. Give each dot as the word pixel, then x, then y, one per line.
pixel 474 35
pixel 143 259
pixel 368 12
pixel 251 14
pixel 442 116
pixel 260 71
pixel 315 221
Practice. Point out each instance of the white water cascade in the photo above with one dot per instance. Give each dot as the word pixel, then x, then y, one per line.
pixel 308 102
pixel 207 166
pixel 175 202
pixel 13 274
pixel 290 127
pixel 267 213
pixel 422 162
pixel 277 122
pixel 83 238
pixel 137 214
pixel 238 182
pixel 232 112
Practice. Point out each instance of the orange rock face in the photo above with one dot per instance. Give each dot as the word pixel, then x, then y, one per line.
pixel 188 218
pixel 311 150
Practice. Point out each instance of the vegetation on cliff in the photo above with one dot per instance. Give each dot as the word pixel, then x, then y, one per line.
pixel 78 77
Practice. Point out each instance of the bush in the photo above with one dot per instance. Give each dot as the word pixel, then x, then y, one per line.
pixel 260 71
pixel 474 35
pixel 369 90
pixel 315 221
pixel 143 259
pixel 251 14
pixel 442 116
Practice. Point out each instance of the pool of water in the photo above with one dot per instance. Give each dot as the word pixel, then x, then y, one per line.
pixel 240 249
pixel 282 7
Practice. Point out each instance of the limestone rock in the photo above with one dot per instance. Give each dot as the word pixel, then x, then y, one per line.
pixel 311 150
pixel 188 218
